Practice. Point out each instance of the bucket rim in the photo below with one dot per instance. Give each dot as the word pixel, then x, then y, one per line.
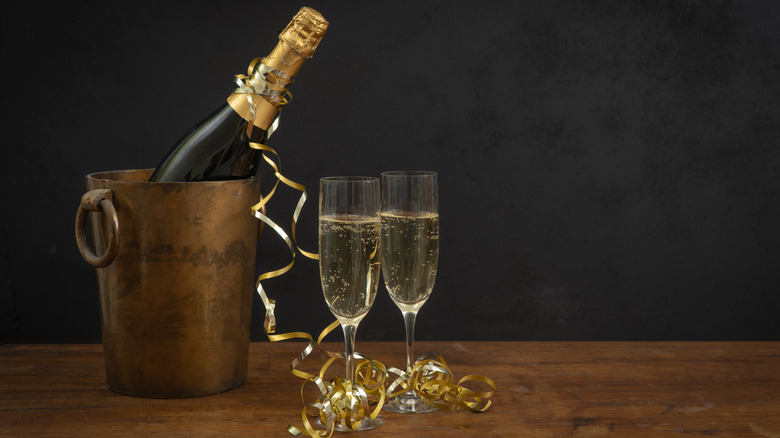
pixel 117 176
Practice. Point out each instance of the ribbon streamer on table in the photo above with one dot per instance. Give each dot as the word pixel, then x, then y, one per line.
pixel 340 400
pixel 432 379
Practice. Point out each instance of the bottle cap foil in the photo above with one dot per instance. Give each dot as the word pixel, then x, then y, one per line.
pixel 305 31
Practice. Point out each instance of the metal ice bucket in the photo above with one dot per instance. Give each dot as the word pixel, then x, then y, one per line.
pixel 175 266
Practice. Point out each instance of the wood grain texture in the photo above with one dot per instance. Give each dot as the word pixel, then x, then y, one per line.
pixel 545 389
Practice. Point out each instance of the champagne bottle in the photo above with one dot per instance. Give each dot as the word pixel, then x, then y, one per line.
pixel 217 148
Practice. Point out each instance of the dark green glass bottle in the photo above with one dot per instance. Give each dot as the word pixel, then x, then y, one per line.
pixel 217 148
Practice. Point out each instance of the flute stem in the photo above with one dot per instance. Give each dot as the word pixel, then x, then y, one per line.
pixel 409 319
pixel 349 341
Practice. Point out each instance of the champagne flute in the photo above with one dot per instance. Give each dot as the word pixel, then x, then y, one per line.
pixel 350 259
pixel 410 255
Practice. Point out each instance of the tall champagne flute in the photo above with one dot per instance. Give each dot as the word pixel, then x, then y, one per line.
pixel 410 255
pixel 350 258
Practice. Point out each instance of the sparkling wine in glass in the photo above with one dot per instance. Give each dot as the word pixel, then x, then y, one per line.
pixel 410 255
pixel 350 258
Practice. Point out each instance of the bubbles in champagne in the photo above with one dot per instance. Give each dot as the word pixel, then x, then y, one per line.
pixel 349 264
pixel 410 255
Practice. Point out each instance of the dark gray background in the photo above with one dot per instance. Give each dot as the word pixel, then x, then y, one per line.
pixel 608 170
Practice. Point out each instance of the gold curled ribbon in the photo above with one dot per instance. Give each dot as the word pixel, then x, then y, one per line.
pixel 432 379
pixel 271 84
pixel 270 319
pixel 340 401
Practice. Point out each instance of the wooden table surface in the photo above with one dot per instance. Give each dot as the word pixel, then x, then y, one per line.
pixel 622 389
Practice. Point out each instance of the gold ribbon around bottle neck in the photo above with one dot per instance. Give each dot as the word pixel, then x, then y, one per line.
pixel 261 86
pixel 340 400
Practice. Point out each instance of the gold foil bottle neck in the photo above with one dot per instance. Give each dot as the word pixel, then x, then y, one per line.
pixel 305 31
pixel 270 78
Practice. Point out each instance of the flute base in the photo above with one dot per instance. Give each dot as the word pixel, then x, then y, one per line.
pixel 408 403
pixel 365 424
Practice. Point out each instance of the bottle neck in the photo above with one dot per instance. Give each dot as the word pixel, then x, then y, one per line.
pixel 284 58
pixel 260 95
pixel 266 89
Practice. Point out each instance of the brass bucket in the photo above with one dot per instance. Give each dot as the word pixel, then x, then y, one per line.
pixel 175 274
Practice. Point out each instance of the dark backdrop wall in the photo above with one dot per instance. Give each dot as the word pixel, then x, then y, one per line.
pixel 608 170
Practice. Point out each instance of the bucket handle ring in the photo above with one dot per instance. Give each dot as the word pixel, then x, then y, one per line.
pixel 100 200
